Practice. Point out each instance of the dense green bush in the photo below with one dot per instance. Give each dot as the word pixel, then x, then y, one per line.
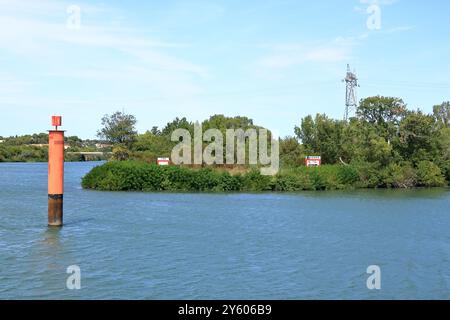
pixel 13 153
pixel 327 177
pixel 429 175
pixel 142 176
pixel 290 182
pixel 445 169
pixel 399 176
pixel 254 181
pixel 369 175
pixel 347 175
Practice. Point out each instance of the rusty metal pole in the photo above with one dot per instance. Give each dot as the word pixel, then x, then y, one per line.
pixel 55 174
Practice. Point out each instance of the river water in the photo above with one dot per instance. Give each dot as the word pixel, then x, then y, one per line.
pixel 312 245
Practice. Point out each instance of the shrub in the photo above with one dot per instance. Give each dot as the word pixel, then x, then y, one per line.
pixel 229 182
pixel 318 179
pixel 142 176
pixel 397 176
pixel 348 175
pixel 288 183
pixel 370 175
pixel 254 181
pixel 429 175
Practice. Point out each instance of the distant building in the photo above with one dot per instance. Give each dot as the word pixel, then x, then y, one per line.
pixel 102 145
pixel 163 161
pixel 313 161
pixel 39 145
pixel 1 141
pixel 42 145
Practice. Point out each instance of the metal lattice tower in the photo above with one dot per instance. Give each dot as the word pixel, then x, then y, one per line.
pixel 351 82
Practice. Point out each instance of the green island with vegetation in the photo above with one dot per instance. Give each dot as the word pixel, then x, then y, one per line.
pixel 384 146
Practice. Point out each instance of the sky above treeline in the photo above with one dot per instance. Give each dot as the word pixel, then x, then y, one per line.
pixel 273 61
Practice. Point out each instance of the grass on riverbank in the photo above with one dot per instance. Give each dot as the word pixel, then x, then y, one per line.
pixel 141 176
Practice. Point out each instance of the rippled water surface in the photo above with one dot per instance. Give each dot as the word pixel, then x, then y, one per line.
pixel 231 246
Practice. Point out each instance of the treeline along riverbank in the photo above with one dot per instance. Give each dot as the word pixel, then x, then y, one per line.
pixel 34 148
pixel 384 146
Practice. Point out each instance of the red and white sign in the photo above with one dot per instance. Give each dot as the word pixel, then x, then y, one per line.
pixel 163 161
pixel 313 161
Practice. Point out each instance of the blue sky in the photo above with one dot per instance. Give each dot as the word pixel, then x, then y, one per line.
pixel 273 61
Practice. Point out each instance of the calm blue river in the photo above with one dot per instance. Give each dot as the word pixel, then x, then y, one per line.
pixel 312 245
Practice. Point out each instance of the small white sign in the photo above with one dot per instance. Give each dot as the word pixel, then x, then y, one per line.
pixel 163 161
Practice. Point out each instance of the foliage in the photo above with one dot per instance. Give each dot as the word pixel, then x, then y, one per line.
pixel 442 114
pixel 444 160
pixel 141 176
pixel 384 146
pixel 120 153
pixel 322 136
pixel 429 175
pixel 397 176
pixel 39 138
pixel 381 110
pixel 292 153
pixel 118 128
pixel 417 138
pixel 23 153
pixel 34 148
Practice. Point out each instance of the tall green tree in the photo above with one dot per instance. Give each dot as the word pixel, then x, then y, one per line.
pixel 291 152
pixel 118 128
pixel 177 123
pixel 383 113
pixel 417 139
pixel 442 113
pixel 361 143
pixel 380 110
pixel 322 136
pixel 221 122
pixel 307 133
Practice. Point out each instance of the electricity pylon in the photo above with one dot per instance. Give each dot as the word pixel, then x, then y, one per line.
pixel 351 82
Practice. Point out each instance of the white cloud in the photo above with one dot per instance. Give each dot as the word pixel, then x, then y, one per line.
pixel 45 30
pixel 121 57
pixel 399 29
pixel 378 2
pixel 166 62
pixel 12 85
pixel 368 3
pixel 284 56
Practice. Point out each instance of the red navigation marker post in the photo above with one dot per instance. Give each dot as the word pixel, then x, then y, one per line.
pixel 55 174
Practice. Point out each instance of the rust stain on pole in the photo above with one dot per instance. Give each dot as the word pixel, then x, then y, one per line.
pixel 55 174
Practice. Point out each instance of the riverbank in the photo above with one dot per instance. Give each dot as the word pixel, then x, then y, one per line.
pixel 141 176
pixel 40 154
pixel 34 148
